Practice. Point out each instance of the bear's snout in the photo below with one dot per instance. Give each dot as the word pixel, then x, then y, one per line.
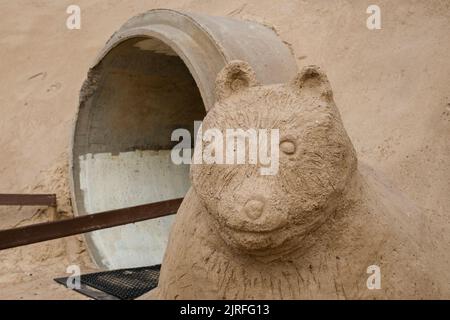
pixel 254 208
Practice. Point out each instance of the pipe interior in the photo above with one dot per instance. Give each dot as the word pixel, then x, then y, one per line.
pixel 143 91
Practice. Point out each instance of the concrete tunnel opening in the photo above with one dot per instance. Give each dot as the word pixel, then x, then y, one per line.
pixel 132 101
pixel 155 74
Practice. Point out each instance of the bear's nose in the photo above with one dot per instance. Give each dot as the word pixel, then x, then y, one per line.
pixel 254 208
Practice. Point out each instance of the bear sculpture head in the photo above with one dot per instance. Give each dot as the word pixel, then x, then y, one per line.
pixel 258 214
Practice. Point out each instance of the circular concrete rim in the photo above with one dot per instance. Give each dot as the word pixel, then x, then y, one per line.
pixel 205 44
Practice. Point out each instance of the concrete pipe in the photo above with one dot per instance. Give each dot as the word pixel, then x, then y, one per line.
pixel 154 75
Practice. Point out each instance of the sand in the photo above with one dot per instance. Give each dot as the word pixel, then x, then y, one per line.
pixel 391 86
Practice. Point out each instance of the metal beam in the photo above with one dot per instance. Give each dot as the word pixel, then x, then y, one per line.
pixel 48 200
pixel 59 229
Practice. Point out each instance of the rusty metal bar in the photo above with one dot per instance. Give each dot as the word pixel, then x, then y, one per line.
pixel 59 229
pixel 28 200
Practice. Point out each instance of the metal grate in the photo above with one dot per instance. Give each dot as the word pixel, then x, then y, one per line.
pixel 124 284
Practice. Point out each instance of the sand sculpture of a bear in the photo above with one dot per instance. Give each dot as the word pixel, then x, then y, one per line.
pixel 312 230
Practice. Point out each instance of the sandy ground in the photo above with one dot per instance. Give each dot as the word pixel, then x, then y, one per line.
pixel 391 85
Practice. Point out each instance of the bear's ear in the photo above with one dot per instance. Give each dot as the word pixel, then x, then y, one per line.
pixel 311 78
pixel 235 76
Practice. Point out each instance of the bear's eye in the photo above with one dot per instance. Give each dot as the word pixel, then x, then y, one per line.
pixel 287 146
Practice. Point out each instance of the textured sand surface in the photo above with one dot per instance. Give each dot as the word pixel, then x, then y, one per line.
pixel 391 86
